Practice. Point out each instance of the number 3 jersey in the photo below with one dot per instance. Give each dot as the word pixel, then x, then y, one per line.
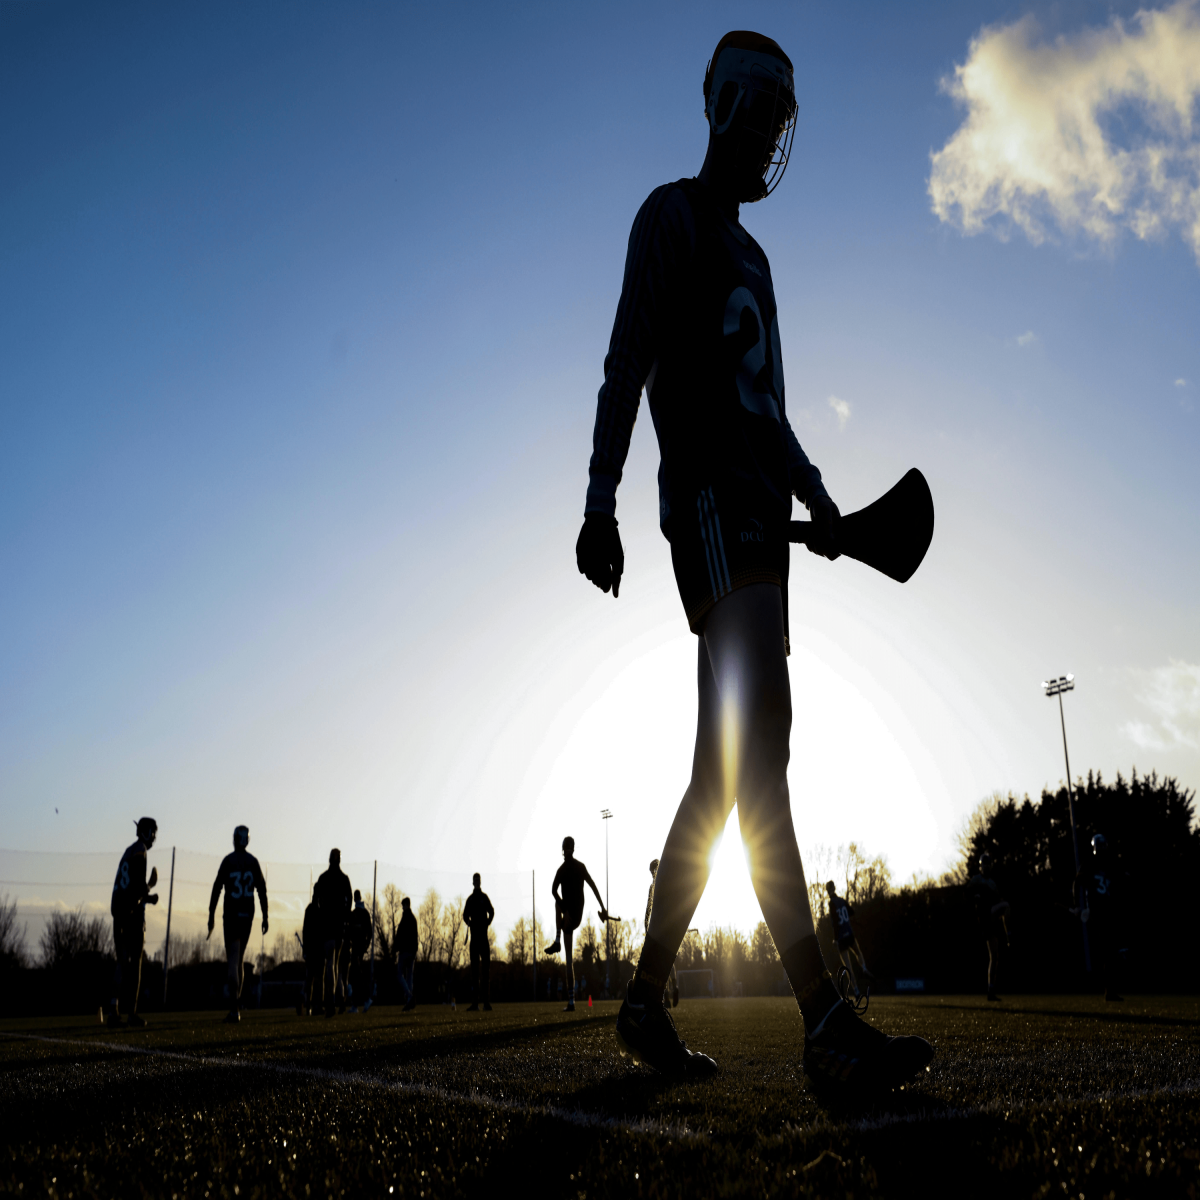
pixel 240 876
pixel 697 327
pixel 130 888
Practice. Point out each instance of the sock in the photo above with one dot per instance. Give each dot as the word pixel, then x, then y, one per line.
pixel 810 981
pixel 654 966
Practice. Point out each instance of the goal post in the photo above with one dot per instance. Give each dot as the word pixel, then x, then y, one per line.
pixel 694 984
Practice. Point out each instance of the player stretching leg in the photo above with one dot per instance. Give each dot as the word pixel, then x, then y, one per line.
pixel 568 910
pixel 241 876
pixel 847 944
pixel 696 326
pixel 131 893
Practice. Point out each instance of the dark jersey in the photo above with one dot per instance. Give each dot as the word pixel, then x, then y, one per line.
pixel 334 898
pixel 360 930
pixel 407 935
pixel 984 893
pixel 839 913
pixel 696 326
pixel 241 876
pixel 129 888
pixel 478 914
pixel 571 877
pixel 310 937
pixel 1096 889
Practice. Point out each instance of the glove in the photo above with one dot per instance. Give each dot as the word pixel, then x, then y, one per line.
pixel 264 924
pixel 153 877
pixel 825 515
pixel 598 552
pixel 152 898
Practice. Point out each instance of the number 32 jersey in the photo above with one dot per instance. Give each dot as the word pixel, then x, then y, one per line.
pixel 697 327
pixel 240 876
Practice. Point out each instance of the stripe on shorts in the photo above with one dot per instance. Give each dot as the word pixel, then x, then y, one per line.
pixel 714 546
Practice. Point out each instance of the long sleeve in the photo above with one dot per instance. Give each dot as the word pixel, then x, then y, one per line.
pixel 218 883
pixel 659 234
pixel 802 475
pixel 260 884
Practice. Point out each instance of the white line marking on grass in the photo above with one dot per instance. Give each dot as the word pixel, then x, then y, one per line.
pixel 571 1116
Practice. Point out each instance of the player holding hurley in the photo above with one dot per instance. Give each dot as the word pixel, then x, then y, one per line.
pixel 697 327
pixel 840 913
pixel 568 910
pixel 241 876
pixel 131 893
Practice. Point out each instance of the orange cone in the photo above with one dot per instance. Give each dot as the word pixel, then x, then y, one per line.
pixel 589 1002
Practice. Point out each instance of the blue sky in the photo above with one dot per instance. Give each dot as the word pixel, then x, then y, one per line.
pixel 304 315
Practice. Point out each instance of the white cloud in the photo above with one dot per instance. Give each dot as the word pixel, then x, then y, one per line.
pixel 842 408
pixel 1089 134
pixel 1181 383
pixel 1027 338
pixel 1172 694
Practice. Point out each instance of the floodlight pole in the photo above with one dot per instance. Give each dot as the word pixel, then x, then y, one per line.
pixel 1052 688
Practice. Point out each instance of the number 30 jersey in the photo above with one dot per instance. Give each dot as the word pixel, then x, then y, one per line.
pixel 240 876
pixel 697 327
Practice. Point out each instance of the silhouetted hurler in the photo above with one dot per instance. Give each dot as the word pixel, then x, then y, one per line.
pixel 332 896
pixel 567 890
pixel 1098 897
pixel 478 914
pixel 840 913
pixel 697 327
pixel 130 895
pixel 407 941
pixel 990 911
pixel 241 876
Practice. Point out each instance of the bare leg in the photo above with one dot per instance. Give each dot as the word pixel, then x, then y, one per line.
pixel 568 936
pixel 993 946
pixel 742 732
pixel 233 952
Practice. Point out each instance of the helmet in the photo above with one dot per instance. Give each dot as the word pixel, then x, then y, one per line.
pixel 831 887
pixel 985 860
pixel 1099 843
pixel 569 844
pixel 147 827
pixel 335 856
pixel 241 837
pixel 749 89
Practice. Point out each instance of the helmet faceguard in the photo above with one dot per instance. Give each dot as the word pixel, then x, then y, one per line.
pixel 750 99
pixel 241 837
pixel 1099 844
pixel 147 829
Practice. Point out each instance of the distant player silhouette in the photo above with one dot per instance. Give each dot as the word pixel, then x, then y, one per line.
pixel 407 941
pixel 478 914
pixel 568 910
pixel 332 895
pixel 358 942
pixel 131 893
pixel 991 911
pixel 1098 895
pixel 241 876
pixel 313 946
pixel 840 913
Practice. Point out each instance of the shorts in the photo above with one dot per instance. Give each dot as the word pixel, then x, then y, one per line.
pixel 847 943
pixel 569 918
pixel 237 929
pixel 719 545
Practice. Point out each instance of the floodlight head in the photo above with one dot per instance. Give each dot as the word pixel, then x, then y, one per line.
pixel 1056 687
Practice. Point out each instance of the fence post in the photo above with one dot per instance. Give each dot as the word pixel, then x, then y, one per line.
pixel 167 947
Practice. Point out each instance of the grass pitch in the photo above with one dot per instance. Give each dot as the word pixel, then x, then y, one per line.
pixel 1045 1096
